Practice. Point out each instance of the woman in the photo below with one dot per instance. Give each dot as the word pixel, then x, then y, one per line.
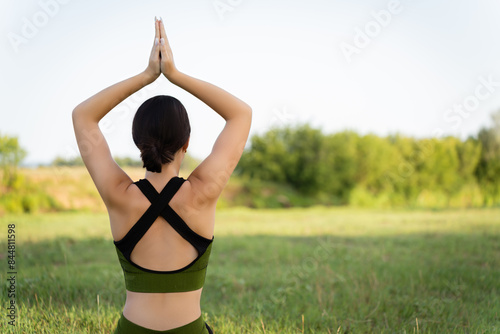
pixel 162 225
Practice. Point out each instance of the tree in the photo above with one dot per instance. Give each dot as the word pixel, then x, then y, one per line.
pixel 439 171
pixel 376 157
pixel 469 153
pixel 11 155
pixel 340 159
pixel 265 158
pixel 288 155
pixel 488 168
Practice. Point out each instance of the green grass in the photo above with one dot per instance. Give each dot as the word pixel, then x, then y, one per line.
pixel 318 270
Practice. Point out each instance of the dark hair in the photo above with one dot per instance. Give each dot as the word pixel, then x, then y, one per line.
pixel 160 128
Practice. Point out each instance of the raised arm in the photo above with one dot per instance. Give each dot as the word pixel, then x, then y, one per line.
pixel 108 177
pixel 212 174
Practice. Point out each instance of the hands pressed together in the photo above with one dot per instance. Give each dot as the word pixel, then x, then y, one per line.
pixel 161 59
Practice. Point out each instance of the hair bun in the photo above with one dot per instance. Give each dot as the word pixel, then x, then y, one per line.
pixel 151 157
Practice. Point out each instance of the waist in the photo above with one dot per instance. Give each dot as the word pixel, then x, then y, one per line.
pixel 162 310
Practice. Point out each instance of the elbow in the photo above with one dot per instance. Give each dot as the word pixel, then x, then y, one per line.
pixel 248 112
pixel 246 117
pixel 242 114
pixel 75 115
pixel 78 118
pixel 79 115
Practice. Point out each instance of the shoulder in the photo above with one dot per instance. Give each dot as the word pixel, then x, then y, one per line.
pixel 125 207
pixel 122 195
pixel 194 208
pixel 202 192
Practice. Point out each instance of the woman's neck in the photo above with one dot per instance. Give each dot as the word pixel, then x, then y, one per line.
pixel 168 171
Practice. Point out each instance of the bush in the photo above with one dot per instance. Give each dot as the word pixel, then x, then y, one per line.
pixel 23 196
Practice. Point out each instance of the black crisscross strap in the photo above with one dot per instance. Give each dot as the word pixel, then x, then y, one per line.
pixel 159 206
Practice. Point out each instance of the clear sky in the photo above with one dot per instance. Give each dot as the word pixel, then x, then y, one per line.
pixel 420 68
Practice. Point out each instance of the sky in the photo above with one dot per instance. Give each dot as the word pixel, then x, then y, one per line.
pixel 420 68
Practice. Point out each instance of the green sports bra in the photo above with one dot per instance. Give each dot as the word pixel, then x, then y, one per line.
pixel 139 279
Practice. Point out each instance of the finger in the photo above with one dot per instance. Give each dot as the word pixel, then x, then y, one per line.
pixel 162 31
pixel 165 53
pixel 156 46
pixel 162 46
pixel 156 42
pixel 155 50
pixel 155 53
pixel 157 28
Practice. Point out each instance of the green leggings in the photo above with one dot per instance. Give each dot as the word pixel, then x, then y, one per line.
pixel 198 326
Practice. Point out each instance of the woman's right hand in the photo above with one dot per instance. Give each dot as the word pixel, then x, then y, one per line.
pixel 167 59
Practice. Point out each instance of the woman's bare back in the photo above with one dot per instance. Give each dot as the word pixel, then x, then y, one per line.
pixel 162 249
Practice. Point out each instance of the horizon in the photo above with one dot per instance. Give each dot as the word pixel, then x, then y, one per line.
pixel 50 163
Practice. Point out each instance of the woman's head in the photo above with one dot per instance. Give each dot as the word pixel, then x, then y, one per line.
pixel 160 129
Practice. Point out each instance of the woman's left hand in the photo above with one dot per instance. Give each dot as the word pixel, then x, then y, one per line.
pixel 153 70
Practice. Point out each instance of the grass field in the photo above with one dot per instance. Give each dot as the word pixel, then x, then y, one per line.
pixel 318 270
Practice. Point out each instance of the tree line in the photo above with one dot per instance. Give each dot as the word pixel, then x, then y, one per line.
pixel 302 166
pixel 369 170
pixel 188 163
